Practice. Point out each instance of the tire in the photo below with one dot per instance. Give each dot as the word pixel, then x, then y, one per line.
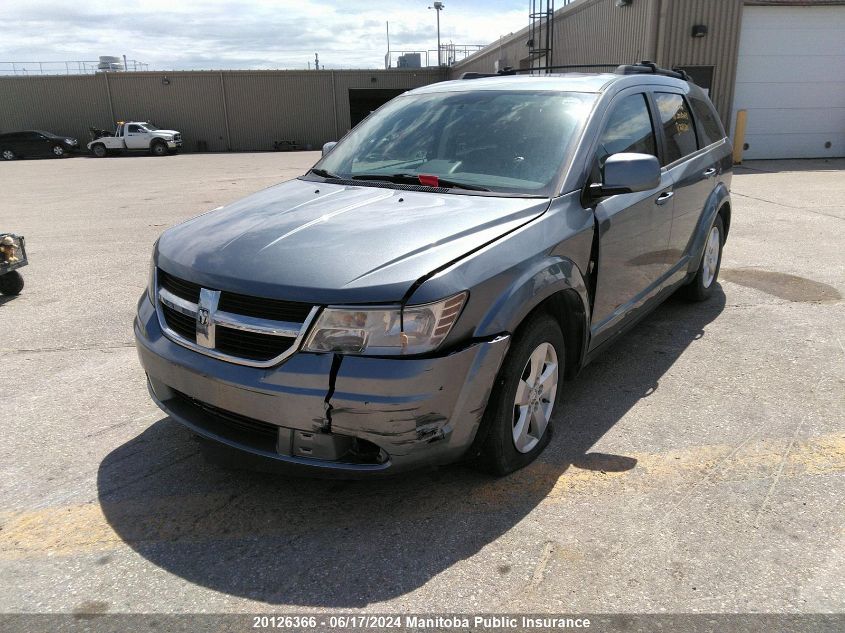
pixel 59 151
pixel 700 288
pixel 11 283
pixel 159 149
pixel 8 154
pixel 99 150
pixel 505 448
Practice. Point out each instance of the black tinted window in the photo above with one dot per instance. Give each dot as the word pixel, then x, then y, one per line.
pixel 677 126
pixel 707 122
pixel 134 129
pixel 629 129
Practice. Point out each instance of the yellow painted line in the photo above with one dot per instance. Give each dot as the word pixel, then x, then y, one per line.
pixel 88 527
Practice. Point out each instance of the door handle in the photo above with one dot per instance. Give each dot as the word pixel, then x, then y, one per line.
pixel 664 197
pixel 709 172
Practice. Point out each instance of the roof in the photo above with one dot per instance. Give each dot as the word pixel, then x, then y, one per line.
pixel 572 82
pixel 564 82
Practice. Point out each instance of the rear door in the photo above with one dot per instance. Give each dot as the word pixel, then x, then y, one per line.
pixel 633 228
pixel 692 167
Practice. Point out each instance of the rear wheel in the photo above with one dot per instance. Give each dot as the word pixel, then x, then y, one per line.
pixel 99 150
pixel 701 286
pixel 8 154
pixel 58 151
pixel 523 400
pixel 159 148
pixel 11 283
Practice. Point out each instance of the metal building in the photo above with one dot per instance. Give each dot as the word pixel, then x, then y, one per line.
pixel 214 110
pixel 782 61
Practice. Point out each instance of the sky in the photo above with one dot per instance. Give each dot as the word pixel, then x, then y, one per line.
pixel 231 34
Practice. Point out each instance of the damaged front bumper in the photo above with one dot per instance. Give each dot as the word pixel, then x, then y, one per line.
pixel 324 412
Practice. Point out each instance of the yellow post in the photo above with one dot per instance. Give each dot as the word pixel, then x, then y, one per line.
pixel 739 136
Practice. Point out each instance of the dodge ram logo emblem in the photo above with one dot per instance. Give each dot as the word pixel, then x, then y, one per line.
pixel 206 308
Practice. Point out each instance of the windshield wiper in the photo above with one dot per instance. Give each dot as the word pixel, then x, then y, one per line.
pixel 413 179
pixel 322 173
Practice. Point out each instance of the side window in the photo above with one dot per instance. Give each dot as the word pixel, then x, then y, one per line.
pixel 629 129
pixel 135 129
pixel 708 124
pixel 677 126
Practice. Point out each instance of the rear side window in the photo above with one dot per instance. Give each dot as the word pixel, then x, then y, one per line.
pixel 708 124
pixel 677 126
pixel 629 129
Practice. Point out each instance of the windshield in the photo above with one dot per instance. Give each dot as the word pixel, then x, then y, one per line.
pixel 496 140
pixel 150 127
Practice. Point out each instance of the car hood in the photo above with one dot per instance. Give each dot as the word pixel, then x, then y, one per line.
pixel 327 243
pixel 167 132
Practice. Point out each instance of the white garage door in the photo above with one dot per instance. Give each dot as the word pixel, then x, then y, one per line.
pixel 791 80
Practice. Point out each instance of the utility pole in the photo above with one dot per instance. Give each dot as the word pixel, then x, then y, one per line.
pixel 438 7
pixel 316 61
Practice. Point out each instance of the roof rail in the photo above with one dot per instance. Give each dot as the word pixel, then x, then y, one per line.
pixel 639 68
pixel 513 71
pixel 647 67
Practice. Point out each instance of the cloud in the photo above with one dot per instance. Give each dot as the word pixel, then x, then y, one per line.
pixel 248 34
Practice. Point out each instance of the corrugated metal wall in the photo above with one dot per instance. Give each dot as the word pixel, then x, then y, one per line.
pixel 311 107
pixel 677 47
pixel 599 32
pixel 585 32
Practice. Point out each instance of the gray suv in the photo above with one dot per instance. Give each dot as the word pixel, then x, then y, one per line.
pixel 421 294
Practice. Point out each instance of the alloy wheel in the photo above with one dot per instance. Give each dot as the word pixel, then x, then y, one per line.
pixel 711 257
pixel 535 397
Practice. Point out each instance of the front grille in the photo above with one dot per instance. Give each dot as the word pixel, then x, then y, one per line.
pixel 184 325
pixel 273 309
pixel 232 426
pixel 251 345
pixel 185 289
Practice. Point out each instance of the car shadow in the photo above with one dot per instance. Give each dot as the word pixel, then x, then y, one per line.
pixel 346 544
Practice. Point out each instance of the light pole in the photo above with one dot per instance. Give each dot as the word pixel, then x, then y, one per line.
pixel 438 7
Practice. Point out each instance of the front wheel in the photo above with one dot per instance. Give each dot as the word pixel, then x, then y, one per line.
pixel 11 283
pixel 522 403
pixel 701 286
pixel 8 154
pixel 159 149
pixel 58 151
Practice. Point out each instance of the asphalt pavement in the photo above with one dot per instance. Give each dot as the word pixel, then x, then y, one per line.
pixel 697 466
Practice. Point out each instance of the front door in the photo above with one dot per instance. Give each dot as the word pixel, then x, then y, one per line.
pixel 137 137
pixel 633 228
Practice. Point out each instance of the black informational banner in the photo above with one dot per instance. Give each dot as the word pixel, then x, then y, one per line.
pixel 423 623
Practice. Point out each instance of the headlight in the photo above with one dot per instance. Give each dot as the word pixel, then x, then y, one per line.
pixel 385 331
pixel 71 141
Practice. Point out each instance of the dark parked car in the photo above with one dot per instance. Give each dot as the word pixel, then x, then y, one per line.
pixel 33 143
pixel 420 295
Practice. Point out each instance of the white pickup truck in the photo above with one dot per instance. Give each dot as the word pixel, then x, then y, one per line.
pixel 134 136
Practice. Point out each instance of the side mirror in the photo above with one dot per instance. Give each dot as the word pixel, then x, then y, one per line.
pixel 627 173
pixel 328 147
